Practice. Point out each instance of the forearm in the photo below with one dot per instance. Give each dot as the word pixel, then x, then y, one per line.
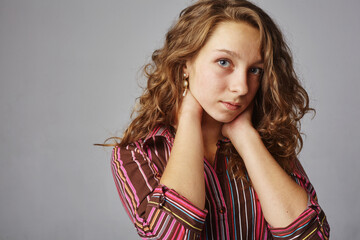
pixel 282 200
pixel 184 171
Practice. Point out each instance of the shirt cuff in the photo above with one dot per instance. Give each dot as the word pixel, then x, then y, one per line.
pixel 178 206
pixel 306 225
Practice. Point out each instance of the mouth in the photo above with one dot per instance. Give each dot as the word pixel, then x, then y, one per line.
pixel 231 105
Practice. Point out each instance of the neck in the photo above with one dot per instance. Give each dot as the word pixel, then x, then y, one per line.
pixel 211 130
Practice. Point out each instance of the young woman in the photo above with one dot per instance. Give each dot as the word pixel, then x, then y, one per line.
pixel 212 151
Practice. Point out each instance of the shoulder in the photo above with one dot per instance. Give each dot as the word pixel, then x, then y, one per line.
pixel 158 141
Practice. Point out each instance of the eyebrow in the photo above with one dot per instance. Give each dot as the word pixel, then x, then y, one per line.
pixel 235 55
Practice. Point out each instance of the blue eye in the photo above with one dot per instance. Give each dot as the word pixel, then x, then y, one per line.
pixel 256 71
pixel 224 63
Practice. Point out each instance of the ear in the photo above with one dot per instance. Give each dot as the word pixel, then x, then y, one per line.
pixel 187 67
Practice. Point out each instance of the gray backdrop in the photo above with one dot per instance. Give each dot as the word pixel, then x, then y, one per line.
pixel 68 79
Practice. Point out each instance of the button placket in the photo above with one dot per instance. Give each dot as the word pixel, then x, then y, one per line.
pixel 161 200
pixel 222 210
pixel 219 171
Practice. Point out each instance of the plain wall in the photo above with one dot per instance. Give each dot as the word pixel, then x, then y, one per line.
pixel 69 73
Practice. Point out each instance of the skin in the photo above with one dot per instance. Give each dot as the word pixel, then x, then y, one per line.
pixel 223 79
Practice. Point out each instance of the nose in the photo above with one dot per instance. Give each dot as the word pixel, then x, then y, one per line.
pixel 238 82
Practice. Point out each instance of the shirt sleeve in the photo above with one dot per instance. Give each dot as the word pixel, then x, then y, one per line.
pixel 156 211
pixel 312 223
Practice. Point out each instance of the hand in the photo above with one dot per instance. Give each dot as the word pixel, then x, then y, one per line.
pixel 240 124
pixel 190 107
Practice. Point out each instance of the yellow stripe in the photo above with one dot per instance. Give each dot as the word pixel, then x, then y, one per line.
pixel 131 196
pixel 177 216
pixel 145 229
pixel 322 229
pixel 154 218
pixel 322 222
pixel 130 193
pixel 309 234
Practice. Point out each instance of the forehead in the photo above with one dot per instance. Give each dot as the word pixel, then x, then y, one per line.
pixel 238 37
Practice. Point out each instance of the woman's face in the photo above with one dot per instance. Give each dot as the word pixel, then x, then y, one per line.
pixel 225 75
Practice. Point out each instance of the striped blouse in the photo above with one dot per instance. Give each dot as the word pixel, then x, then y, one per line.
pixel 232 208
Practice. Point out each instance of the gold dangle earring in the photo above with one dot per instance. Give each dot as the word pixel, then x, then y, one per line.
pixel 186 84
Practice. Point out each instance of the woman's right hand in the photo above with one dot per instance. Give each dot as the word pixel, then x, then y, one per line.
pixel 190 107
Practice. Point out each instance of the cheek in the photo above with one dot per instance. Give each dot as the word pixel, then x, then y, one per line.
pixel 206 87
pixel 207 80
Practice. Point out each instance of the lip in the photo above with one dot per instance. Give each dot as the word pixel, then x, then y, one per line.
pixel 231 105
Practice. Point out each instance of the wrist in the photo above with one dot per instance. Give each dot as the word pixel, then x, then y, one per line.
pixel 241 132
pixel 190 116
pixel 244 138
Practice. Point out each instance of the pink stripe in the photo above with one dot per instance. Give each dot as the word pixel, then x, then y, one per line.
pixel 122 184
pixel 186 210
pixel 141 170
pixel 152 166
pixel 151 214
pixel 127 177
pixel 120 191
pixel 266 234
pixel 182 203
pixel 223 201
pixel 252 192
pixel 176 234
pixel 213 201
pixel 258 219
pixel 149 153
pixel 320 235
pixel 186 206
pixel 170 229
pixel 157 226
pixel 306 215
pixel 133 193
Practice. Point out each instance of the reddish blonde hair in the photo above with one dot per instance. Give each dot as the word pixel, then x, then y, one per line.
pixel 279 104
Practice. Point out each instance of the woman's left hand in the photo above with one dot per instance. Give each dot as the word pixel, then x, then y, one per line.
pixel 240 124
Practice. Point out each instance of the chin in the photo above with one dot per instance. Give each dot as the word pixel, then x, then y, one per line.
pixel 223 118
pixel 220 116
pixel 227 120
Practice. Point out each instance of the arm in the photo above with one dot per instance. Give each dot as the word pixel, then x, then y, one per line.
pixel 156 211
pixel 284 202
pixel 173 205
pixel 185 169
pixel 312 223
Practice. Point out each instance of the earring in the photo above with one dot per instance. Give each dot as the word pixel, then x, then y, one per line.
pixel 186 84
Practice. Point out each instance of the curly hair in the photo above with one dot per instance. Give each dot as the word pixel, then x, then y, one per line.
pixel 279 104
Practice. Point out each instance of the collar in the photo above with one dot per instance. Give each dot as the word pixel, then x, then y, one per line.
pixel 224 140
pixel 161 131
